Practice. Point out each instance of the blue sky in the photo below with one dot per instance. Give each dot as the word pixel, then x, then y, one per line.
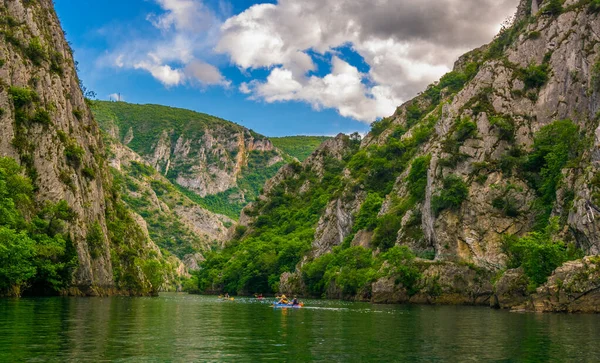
pixel 311 67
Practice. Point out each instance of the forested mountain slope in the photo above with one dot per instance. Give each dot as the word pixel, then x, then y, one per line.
pixel 478 191
pixel 63 226
pixel 299 147
pixel 219 164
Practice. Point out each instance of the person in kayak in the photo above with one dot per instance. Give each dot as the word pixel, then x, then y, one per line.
pixel 283 300
pixel 227 295
pixel 295 301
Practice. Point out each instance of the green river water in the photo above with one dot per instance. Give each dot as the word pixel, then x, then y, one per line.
pixel 189 328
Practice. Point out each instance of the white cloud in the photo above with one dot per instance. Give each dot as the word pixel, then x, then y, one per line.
pixel 407 45
pixel 205 74
pixel 177 55
pixel 164 73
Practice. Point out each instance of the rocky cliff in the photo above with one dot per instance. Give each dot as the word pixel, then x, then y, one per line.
pixel 48 128
pixel 175 223
pixel 222 163
pixel 492 167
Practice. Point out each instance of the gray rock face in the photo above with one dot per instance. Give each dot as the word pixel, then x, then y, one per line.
pixel 210 164
pixel 335 225
pixel 441 283
pixel 66 155
pixel 573 287
pixel 510 290
pixel 58 92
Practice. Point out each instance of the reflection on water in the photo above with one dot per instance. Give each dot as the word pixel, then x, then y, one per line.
pixel 177 327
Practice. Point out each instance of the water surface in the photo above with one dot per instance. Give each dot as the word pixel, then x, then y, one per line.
pixel 184 328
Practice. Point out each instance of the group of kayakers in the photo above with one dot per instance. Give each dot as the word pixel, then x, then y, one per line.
pixel 281 300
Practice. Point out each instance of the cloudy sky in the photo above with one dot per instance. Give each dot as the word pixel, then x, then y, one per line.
pixel 279 67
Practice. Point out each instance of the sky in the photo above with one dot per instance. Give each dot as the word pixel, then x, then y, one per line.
pixel 281 67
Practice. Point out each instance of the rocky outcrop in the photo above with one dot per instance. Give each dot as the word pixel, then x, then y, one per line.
pixel 441 283
pixel 335 224
pixel 511 290
pixel 573 287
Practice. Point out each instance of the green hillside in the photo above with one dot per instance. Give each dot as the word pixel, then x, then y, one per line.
pixel 299 147
pixel 149 121
pixel 212 155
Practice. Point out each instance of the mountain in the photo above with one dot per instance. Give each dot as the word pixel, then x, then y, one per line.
pixel 177 225
pixel 64 227
pixel 299 147
pixel 483 189
pixel 219 164
pixel 179 220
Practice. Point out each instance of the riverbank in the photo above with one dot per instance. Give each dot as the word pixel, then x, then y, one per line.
pixel 573 288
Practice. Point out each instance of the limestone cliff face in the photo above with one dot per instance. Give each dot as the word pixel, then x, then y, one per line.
pixel 199 152
pixel 47 126
pixel 176 223
pixel 565 49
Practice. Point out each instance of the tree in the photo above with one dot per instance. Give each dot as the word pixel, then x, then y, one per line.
pixel 154 272
pixel 16 266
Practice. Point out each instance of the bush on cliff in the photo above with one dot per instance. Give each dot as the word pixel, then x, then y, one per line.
pixel 539 254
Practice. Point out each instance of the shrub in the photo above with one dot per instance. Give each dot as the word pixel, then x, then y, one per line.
pixel 507 205
pixel 594 6
pixel 74 154
pixel 42 116
pixel 538 254
pixel 378 127
pixel 401 266
pixel 465 129
pixel 35 51
pixel 417 177
pixel 505 127
pixel 56 62
pixel 367 215
pixel 413 114
pixel 78 114
pixel 22 97
pixel 534 76
pixel 553 8
pixel 452 195
pixel 553 147
pixel 386 233
pixel 596 76
pixel 95 240
pixel 88 172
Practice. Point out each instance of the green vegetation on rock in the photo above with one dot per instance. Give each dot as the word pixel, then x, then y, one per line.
pixel 299 147
pixel 36 253
pixel 539 253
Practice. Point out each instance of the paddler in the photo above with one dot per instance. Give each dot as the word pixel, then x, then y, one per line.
pixel 283 300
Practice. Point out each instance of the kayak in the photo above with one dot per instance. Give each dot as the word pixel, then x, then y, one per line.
pixel 287 306
pixel 226 298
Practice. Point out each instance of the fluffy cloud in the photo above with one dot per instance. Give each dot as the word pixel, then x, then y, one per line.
pixel 188 29
pixel 406 44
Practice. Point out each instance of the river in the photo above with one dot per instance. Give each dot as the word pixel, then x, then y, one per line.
pixel 185 328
